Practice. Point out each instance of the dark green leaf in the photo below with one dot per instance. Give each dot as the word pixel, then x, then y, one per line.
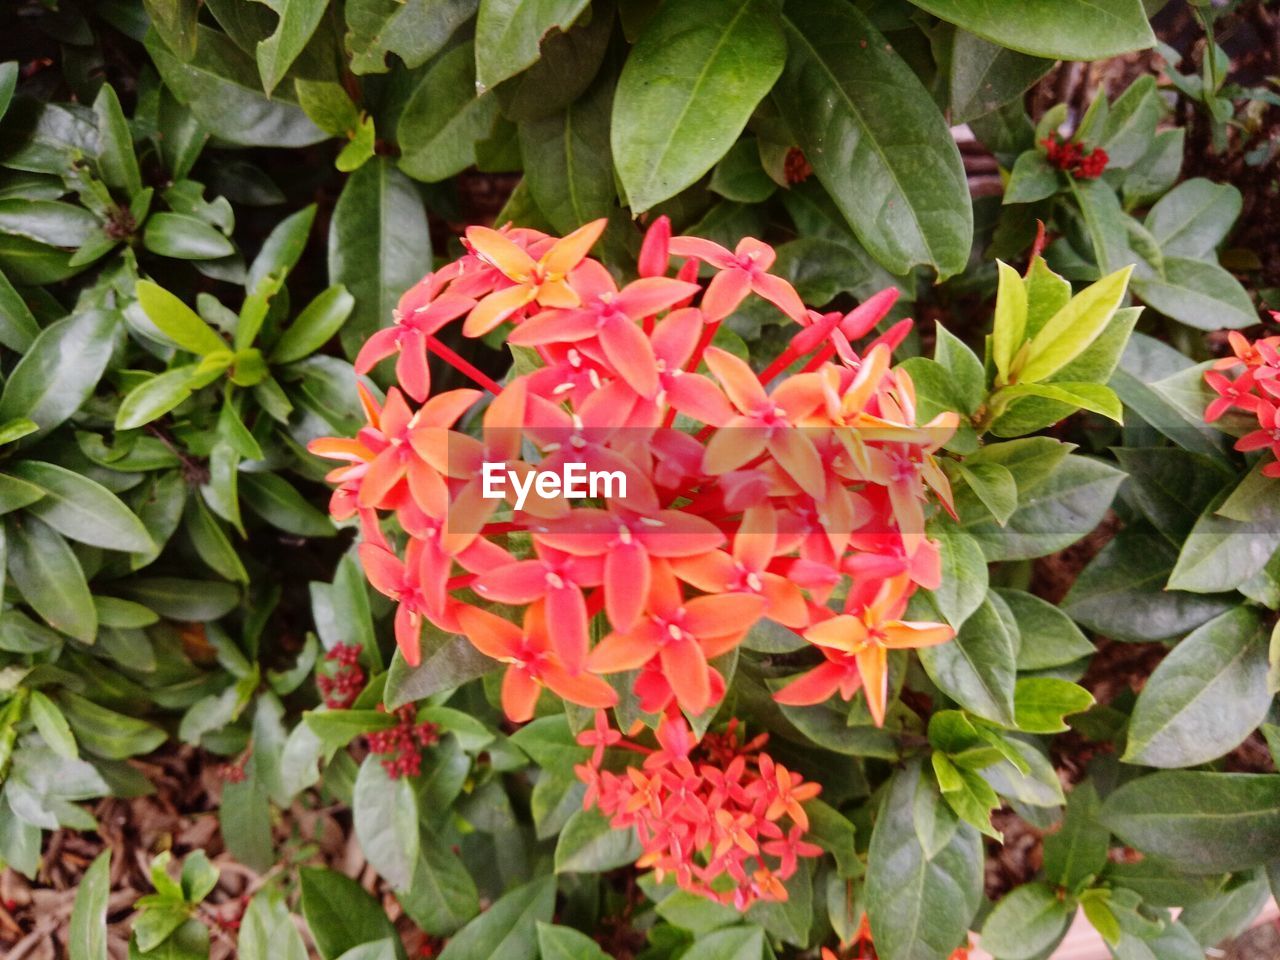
pixel 340 913
pixel 117 161
pixel 448 661
pixel 298 21
pixel 1199 822
pixel 986 76
pixel 687 91
pixel 220 85
pixel 61 369
pixel 442 896
pixel 507 930
pixel 1078 850
pixel 1205 697
pixel 1221 553
pixel 414 30
pixel 445 118
pixel 920 908
pixel 175 22
pixel 1171 486
pixel 875 139
pixel 976 669
pixel 314 326
pixel 185 238
pixel 48 575
pixel 590 844
pixel 275 500
pixel 378 246
pixel 1047 637
pixel 83 510
pixel 180 599
pixel 279 253
pixel 509 32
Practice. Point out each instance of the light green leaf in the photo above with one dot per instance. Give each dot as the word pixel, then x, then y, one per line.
pixel 1058 29
pixel 1073 328
pixel 1040 703
pixel 155 397
pixel 314 326
pixel 176 320
pixel 267 931
pixel 1009 330
pixel 52 725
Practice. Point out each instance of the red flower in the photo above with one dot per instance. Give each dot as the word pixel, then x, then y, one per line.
pixel 1071 157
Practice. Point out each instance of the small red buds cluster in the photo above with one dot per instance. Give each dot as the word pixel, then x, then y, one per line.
pixel 401 746
pixel 342 686
pixel 1072 157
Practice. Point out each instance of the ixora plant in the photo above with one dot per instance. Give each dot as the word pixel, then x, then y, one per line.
pixel 698 650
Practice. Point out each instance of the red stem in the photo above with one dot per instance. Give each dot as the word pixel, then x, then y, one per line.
pixel 462 365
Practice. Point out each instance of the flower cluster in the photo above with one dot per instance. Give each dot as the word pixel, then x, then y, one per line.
pixel 401 746
pixel 772 493
pixel 1255 391
pixel 342 685
pixel 1071 157
pixel 719 816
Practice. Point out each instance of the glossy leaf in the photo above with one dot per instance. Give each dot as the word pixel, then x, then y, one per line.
pixel 590 844
pixel 61 369
pixel 378 246
pixel 976 669
pixel 510 32
pixel 1058 29
pixel 687 90
pixel 875 139
pixel 314 326
pixel 1205 697
pixel 45 570
pixel 1199 294
pixel 507 930
pixel 339 912
pixel 1197 821
pixel 385 812
pixel 1194 218
pixel 82 509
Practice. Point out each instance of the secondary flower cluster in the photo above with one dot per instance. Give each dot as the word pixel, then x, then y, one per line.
pixel 340 687
pixel 771 493
pixel 718 816
pixel 400 747
pixel 1071 157
pixel 1255 391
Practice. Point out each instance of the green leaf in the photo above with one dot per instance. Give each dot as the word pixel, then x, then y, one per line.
pixel 87 933
pixel 175 22
pixel 156 396
pixel 61 369
pixel 1199 294
pixel 1047 637
pixel 185 238
pixel 590 844
pixel 107 733
pixel 378 246
pixel 448 661
pixel 875 138
pixel 414 30
pixel 274 499
pixel 279 254
pixel 1205 697
pixel 1010 324
pixel 337 728
pixel 964 575
pixel 1131 123
pixel 190 941
pixel 1121 593
pixel 986 76
pixel 976 669
pixel 507 930
pixel 1158 169
pixel 1032 179
pixel 1221 553
pixel 1078 849
pixel 48 575
pixel 314 326
pixel 385 812
pixel 1054 513
pixel 177 598
pixel 1040 703
pixel 52 725
pixel 83 510
pixel 1058 29
pixel 1073 328
pixel 328 105
pixel 16 494
pixel 176 320
pixel 221 87
pixel 267 931
pixel 50 222
pixel 1171 486
pixel 8 83
pixel 567 162
pixel 211 542
pixel 442 896
pixel 1194 218
pixel 445 118
pixel 18 328
pixel 339 912
pixel 509 33
pixel 564 943
pixel 920 907
pixel 968 379
pixel 1027 921
pixel 275 54
pixel 994 486
pixel 117 162
pixel 687 90
pixel 1199 822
